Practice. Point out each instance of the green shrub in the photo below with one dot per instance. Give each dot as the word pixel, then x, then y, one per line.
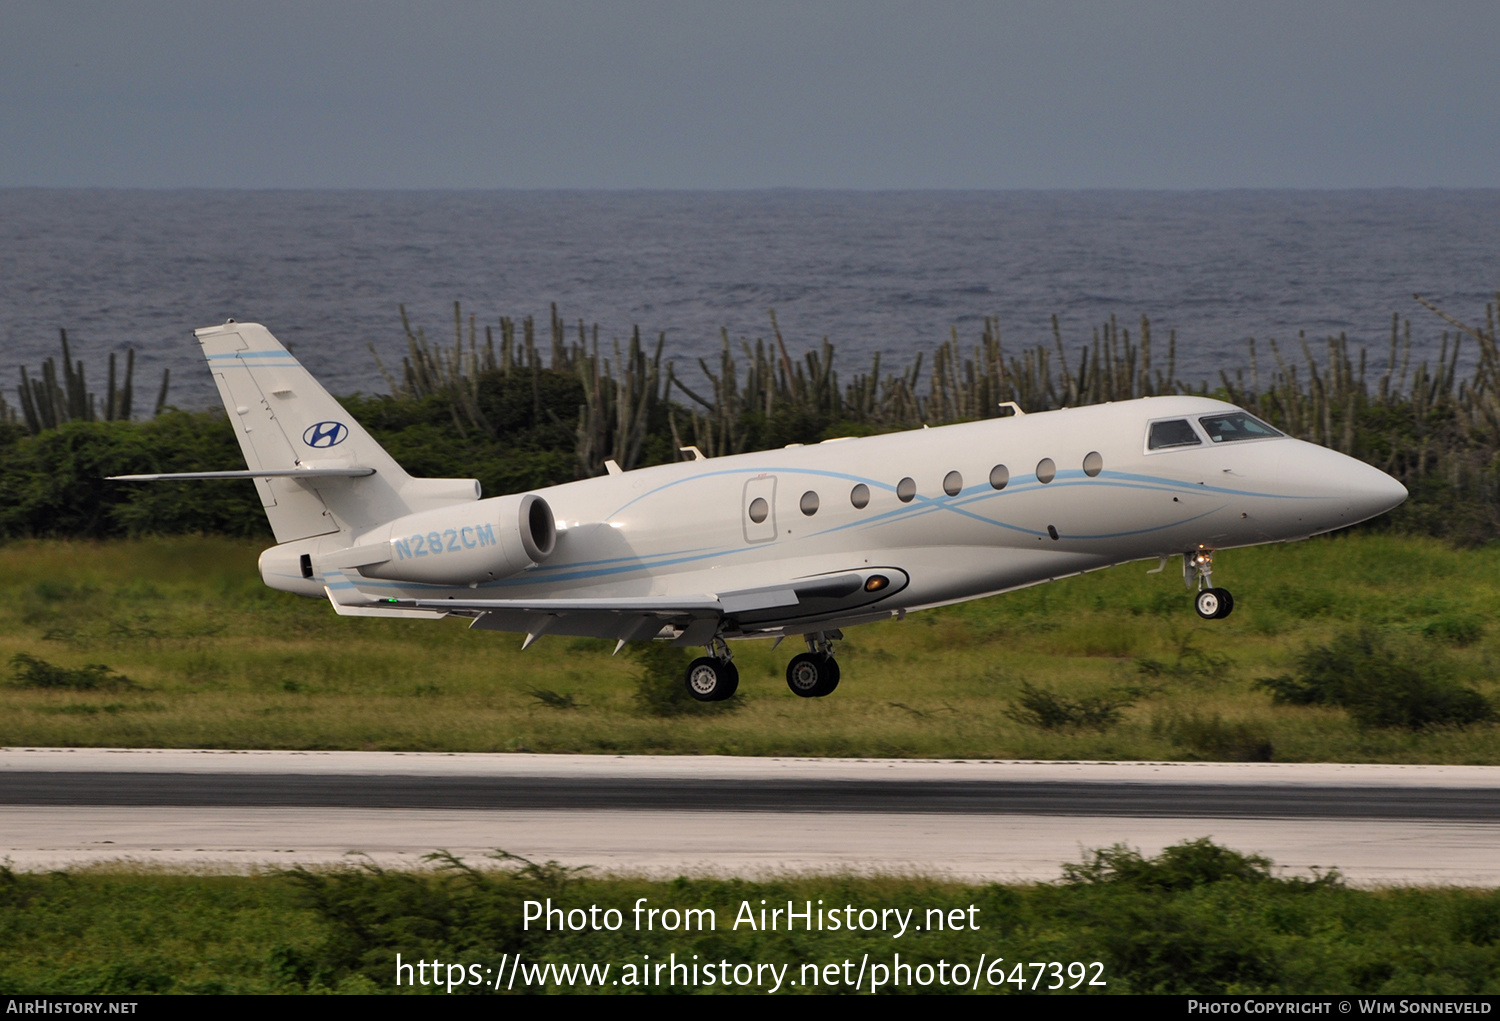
pixel 1212 738
pixel 1196 918
pixel 1378 686
pixel 1189 663
pixel 30 672
pixel 1184 866
pixel 1048 710
pixel 458 913
pixel 53 484
pixel 554 699
pixel 660 689
pixel 1455 629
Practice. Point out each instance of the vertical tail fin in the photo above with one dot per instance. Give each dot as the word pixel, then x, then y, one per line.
pixel 284 420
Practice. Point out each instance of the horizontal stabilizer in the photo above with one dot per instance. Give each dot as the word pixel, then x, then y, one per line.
pixel 265 473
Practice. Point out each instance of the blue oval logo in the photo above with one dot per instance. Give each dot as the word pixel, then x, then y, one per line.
pixel 326 434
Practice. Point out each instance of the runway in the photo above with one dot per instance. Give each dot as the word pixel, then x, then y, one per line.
pixel 670 815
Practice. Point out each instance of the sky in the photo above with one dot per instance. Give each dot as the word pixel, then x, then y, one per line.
pixel 658 94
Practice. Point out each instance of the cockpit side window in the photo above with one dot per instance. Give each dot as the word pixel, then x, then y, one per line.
pixel 1236 426
pixel 1176 432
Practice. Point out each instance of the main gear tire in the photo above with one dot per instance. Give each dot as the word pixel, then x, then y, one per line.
pixel 710 679
pixel 812 674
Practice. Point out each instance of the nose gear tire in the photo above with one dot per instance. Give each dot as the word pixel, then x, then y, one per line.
pixel 1214 604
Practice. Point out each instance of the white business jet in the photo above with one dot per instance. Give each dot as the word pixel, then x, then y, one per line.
pixel 806 540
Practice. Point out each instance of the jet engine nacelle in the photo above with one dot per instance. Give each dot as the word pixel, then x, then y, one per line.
pixel 466 544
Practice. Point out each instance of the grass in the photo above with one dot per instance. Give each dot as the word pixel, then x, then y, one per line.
pixel 214 659
pixel 1199 918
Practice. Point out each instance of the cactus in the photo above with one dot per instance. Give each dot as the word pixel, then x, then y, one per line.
pixel 47 403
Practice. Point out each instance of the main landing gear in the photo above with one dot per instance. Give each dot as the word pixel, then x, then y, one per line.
pixel 815 673
pixel 1198 571
pixel 714 677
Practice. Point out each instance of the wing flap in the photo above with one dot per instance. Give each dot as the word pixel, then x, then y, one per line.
pixel 664 606
pixel 758 599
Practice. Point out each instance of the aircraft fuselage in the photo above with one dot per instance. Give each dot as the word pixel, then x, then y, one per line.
pixel 947 514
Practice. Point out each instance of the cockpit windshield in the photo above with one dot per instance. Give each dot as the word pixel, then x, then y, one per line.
pixel 1177 432
pixel 1236 426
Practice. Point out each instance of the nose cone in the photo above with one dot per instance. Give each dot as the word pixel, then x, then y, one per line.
pixel 1371 491
pixel 1329 490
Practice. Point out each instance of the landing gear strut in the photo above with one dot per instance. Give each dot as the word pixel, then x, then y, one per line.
pixel 1198 571
pixel 714 677
pixel 815 673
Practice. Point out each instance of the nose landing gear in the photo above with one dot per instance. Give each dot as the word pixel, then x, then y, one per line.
pixel 1214 603
pixel 1198 571
pixel 815 673
pixel 714 677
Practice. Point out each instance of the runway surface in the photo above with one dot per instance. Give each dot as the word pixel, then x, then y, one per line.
pixel 668 815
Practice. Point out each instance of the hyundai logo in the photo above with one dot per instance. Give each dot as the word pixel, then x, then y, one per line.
pixel 326 434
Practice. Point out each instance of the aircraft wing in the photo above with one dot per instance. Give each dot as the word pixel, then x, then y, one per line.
pixel 693 605
pixel 626 618
pixel 693 619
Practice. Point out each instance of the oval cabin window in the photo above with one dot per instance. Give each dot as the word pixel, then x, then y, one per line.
pixel 759 509
pixel 1046 470
pixel 953 483
pixel 809 503
pixel 860 496
pixel 906 489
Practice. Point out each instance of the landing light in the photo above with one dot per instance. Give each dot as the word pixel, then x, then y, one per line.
pixel 876 582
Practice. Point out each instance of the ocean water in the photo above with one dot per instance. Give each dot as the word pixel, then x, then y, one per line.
pixel 872 271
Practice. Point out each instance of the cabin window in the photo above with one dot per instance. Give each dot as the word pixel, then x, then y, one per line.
pixel 953 483
pixel 1236 426
pixel 999 476
pixel 1046 470
pixel 1093 463
pixel 906 489
pixel 1174 433
pixel 809 503
pixel 759 509
pixel 860 496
